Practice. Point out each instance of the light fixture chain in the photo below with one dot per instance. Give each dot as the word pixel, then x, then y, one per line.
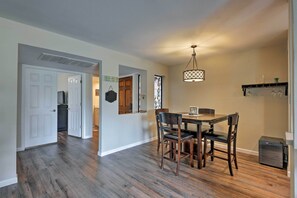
pixel 189 62
pixel 195 60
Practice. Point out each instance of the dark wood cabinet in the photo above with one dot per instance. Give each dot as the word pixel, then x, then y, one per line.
pixel 125 95
pixel 62 117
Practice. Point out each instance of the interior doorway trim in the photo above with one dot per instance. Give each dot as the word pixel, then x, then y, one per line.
pixel 86 121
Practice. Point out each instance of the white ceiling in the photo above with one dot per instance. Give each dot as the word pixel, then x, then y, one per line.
pixel 159 30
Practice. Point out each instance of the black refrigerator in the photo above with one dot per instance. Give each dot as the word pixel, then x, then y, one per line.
pixel 62 117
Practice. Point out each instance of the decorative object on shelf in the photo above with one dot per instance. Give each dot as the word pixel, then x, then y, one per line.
pixel 248 93
pixel 274 92
pixel 110 95
pixel 194 74
pixel 193 110
pixel 277 92
pixel 280 93
pixel 276 80
pixel 266 85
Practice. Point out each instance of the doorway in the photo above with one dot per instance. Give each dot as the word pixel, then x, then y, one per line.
pixel 96 105
pixel 58 63
pixel 69 104
pixel 51 104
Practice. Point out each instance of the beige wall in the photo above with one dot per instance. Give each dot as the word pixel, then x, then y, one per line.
pixel 261 113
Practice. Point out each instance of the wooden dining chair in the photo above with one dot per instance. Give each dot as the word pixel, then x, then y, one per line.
pixel 157 111
pixel 227 138
pixel 206 111
pixel 171 124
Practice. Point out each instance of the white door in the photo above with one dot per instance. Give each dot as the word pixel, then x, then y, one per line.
pixel 74 106
pixel 40 100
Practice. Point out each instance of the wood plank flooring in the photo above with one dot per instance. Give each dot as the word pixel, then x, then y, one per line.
pixel 72 168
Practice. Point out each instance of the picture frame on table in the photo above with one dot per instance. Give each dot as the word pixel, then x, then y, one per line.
pixel 193 110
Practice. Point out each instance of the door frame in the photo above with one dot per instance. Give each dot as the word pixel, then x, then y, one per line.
pixel 86 121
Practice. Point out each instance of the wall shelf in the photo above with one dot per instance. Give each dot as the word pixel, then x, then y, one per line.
pixel 265 85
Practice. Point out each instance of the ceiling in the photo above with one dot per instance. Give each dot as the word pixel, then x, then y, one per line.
pixel 159 30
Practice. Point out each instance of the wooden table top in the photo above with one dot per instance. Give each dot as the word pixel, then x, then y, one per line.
pixel 205 117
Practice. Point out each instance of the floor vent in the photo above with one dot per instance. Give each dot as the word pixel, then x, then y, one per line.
pixel 64 60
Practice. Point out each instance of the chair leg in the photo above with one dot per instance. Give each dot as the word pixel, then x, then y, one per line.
pixel 191 152
pixel 205 148
pixel 234 153
pixel 159 142
pixel 174 150
pixel 162 158
pixel 229 159
pixel 178 159
pixel 212 149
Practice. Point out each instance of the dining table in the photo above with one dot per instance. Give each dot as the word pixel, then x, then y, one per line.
pixel 198 120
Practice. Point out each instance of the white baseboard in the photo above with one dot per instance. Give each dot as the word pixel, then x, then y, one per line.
pixel 126 147
pixel 241 150
pixel 8 182
pixel 288 173
pixel 20 149
pixel 87 137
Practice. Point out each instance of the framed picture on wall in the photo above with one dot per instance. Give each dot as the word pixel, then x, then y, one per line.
pixel 193 110
pixel 97 92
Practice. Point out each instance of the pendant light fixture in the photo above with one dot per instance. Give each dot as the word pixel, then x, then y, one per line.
pixel 194 74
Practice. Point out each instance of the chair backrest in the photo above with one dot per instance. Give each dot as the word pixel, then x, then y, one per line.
pixel 233 125
pixel 157 111
pixel 170 120
pixel 206 111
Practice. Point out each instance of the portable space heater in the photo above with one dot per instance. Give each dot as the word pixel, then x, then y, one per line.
pixel 273 152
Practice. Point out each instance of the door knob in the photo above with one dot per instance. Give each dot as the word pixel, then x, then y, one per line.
pixel 54 110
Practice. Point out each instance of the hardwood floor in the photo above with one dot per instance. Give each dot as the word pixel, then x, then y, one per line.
pixel 72 168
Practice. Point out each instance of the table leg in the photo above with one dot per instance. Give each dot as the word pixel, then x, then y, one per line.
pixel 211 142
pixel 199 147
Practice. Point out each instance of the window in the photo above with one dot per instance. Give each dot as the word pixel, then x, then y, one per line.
pixel 158 80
